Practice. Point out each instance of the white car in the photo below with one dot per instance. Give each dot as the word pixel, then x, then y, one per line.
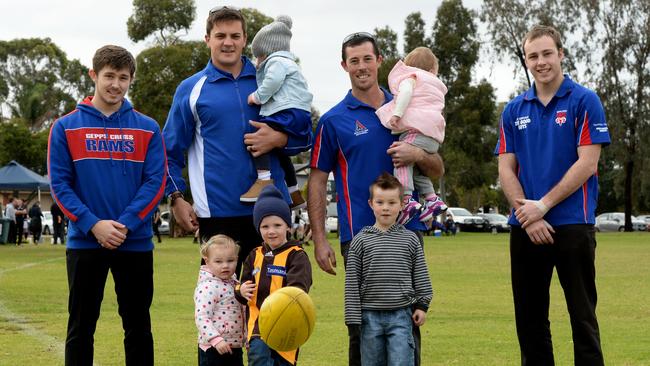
pixel 332 224
pixel 47 223
pixel 164 222
pixel 465 220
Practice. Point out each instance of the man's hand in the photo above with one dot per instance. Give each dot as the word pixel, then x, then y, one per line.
pixel 325 256
pixel 404 154
pixel 530 211
pixel 246 289
pixel 540 232
pixel 419 317
pixel 393 121
pixel 264 139
pixel 252 100
pixel 223 347
pixel 185 215
pixel 109 234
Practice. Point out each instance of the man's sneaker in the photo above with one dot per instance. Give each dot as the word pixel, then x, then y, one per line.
pixel 297 202
pixel 432 208
pixel 255 190
pixel 410 210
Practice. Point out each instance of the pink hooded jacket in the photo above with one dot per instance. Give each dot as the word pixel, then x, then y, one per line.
pixel 424 112
pixel 218 315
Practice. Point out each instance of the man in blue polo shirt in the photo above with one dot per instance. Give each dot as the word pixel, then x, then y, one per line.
pixel 549 145
pixel 351 142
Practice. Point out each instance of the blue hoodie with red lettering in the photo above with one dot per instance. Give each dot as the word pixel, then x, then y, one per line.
pixel 107 168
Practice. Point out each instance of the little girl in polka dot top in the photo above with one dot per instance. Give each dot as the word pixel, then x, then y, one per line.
pixel 219 316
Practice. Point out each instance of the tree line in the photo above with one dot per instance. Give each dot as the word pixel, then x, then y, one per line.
pixel 607 47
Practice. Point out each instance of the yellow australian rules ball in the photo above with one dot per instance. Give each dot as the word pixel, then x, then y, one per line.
pixel 287 318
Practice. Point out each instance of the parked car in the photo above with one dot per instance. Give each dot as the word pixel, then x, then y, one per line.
pixel 164 222
pixel 495 221
pixel 47 223
pixel 645 218
pixel 332 224
pixel 615 221
pixel 465 220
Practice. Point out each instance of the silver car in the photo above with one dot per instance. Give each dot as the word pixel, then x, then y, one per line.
pixel 615 221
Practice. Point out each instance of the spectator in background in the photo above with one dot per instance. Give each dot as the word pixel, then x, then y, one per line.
pixel 10 213
pixel 58 224
pixel 35 222
pixel 156 221
pixel 21 215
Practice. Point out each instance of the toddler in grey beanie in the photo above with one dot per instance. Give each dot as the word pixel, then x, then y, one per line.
pixel 273 37
pixel 285 101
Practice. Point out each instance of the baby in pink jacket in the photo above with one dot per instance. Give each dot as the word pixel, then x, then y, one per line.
pixel 219 316
pixel 416 115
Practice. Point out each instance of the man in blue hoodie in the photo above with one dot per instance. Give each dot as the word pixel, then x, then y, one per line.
pixel 211 121
pixel 107 170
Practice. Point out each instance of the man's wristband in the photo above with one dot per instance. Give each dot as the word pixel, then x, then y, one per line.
pixel 541 206
pixel 174 196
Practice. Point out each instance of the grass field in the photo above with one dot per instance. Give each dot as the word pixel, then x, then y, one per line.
pixel 470 321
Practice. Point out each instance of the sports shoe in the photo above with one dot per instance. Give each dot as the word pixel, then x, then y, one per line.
pixel 297 202
pixel 255 190
pixel 432 208
pixel 409 211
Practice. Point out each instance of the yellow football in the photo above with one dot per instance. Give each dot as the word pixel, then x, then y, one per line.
pixel 287 318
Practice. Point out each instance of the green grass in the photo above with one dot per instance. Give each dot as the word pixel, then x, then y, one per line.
pixel 470 321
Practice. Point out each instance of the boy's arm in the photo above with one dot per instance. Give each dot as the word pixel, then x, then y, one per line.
pixel 353 274
pixel 421 279
pixel 299 271
pixel 153 187
pixel 274 75
pixel 61 172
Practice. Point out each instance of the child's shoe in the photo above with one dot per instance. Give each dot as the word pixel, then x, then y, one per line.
pixel 255 190
pixel 432 208
pixel 297 202
pixel 410 210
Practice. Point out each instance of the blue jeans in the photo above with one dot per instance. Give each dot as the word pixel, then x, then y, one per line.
pixel 259 354
pixel 387 338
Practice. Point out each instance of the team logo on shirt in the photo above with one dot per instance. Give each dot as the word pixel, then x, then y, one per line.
pixel 560 117
pixel 522 122
pixel 359 128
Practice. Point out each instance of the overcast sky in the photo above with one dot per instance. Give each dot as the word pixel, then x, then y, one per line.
pixel 81 27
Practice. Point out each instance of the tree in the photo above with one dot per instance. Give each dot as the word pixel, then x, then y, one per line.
pixel 18 143
pixel 414 33
pixel 161 18
pixel 470 110
pixel 623 75
pixel 387 43
pixel 159 71
pixel 37 81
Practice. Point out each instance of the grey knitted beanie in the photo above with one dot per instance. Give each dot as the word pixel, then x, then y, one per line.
pixel 273 37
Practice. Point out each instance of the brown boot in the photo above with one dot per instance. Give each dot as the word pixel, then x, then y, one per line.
pixel 297 202
pixel 255 190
